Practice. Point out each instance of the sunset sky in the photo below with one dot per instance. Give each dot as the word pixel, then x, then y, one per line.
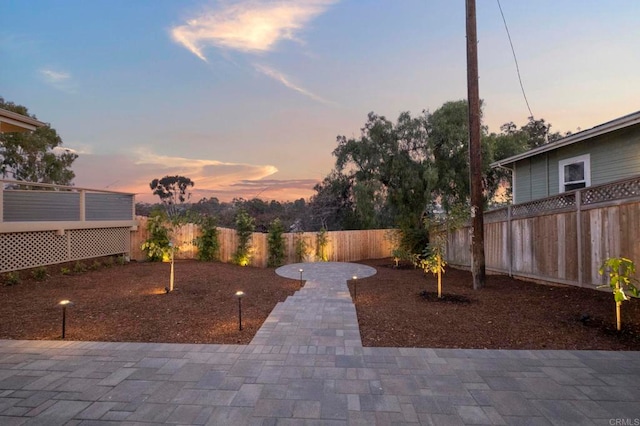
pixel 247 97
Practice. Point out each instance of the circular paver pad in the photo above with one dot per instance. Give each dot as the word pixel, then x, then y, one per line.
pixel 325 271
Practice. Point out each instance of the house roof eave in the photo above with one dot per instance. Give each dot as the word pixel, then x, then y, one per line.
pixel 13 122
pixel 601 129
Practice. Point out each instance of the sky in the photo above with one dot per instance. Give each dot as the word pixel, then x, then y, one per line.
pixel 247 97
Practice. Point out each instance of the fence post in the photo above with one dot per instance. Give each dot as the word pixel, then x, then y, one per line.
pixel 578 195
pixel 509 241
pixel 83 208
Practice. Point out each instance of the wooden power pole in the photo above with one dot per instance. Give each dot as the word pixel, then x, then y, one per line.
pixel 475 151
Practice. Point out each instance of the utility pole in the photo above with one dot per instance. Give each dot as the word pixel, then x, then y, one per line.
pixel 475 151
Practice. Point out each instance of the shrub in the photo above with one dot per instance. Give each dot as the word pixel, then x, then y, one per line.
pixel 79 268
pixel 158 245
pixel 109 262
pixel 414 240
pixel 245 226
pixel 275 241
pixel 39 273
pixel 300 247
pixel 12 278
pixel 322 241
pixel 95 265
pixel 207 243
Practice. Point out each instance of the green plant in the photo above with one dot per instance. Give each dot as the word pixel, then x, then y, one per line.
pixel 322 241
pixel 39 273
pixel 157 246
pixel 245 226
pixel 109 262
pixel 122 260
pixel 300 247
pixel 79 267
pixel 95 265
pixel 12 278
pixel 65 271
pixel 620 271
pixel 433 261
pixel 207 243
pixel 275 242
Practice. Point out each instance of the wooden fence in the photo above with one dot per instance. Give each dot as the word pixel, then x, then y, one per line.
pixel 563 239
pixel 342 246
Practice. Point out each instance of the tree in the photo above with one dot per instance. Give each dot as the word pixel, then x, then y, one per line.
pixel 332 206
pixel 34 156
pixel 172 191
pixel 390 170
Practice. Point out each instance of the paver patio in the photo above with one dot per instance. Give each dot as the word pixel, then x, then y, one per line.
pixel 307 366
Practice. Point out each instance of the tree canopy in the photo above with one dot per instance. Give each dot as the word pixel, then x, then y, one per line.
pixel 172 191
pixel 35 156
pixel 396 174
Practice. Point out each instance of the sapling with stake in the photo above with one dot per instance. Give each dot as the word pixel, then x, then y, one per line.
pixel 620 271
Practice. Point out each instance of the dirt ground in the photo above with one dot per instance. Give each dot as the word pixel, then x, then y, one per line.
pixel 128 303
pixel 506 314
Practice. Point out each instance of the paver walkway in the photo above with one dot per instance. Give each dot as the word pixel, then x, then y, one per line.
pixel 306 366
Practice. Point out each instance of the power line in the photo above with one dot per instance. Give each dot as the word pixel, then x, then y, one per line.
pixel 515 59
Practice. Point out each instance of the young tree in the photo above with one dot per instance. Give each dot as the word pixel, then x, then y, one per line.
pixel 172 191
pixel 34 156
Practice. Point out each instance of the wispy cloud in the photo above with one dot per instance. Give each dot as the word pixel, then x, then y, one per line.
pixel 248 26
pixel 280 77
pixel 58 79
pixel 213 178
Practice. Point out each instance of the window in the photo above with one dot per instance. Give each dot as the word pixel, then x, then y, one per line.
pixel 574 173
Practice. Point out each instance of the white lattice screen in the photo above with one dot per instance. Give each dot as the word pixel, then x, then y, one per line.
pixel 22 250
pixel 87 243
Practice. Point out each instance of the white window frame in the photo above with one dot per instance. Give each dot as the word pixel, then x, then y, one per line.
pixel 586 159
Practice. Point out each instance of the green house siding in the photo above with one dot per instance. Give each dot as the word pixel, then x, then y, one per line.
pixel 522 181
pixel 613 156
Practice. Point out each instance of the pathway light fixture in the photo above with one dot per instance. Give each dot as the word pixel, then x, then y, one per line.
pixel 64 304
pixel 355 287
pixel 240 295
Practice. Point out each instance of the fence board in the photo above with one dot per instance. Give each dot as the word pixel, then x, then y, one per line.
pixel 342 246
pixel 545 246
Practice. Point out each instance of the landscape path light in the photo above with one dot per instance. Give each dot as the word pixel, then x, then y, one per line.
pixel 64 304
pixel 240 295
pixel 301 271
pixel 355 288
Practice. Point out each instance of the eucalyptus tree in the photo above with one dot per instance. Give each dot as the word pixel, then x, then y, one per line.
pixel 35 156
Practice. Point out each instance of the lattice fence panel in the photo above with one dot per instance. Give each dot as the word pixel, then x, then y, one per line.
pixel 498 215
pixel 22 250
pixel 614 191
pixel 88 243
pixel 540 206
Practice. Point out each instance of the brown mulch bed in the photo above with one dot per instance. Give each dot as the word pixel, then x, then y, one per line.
pixel 128 303
pixel 400 307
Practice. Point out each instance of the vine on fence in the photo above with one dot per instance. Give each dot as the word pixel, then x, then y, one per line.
pixel 207 243
pixel 275 241
pixel 245 225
